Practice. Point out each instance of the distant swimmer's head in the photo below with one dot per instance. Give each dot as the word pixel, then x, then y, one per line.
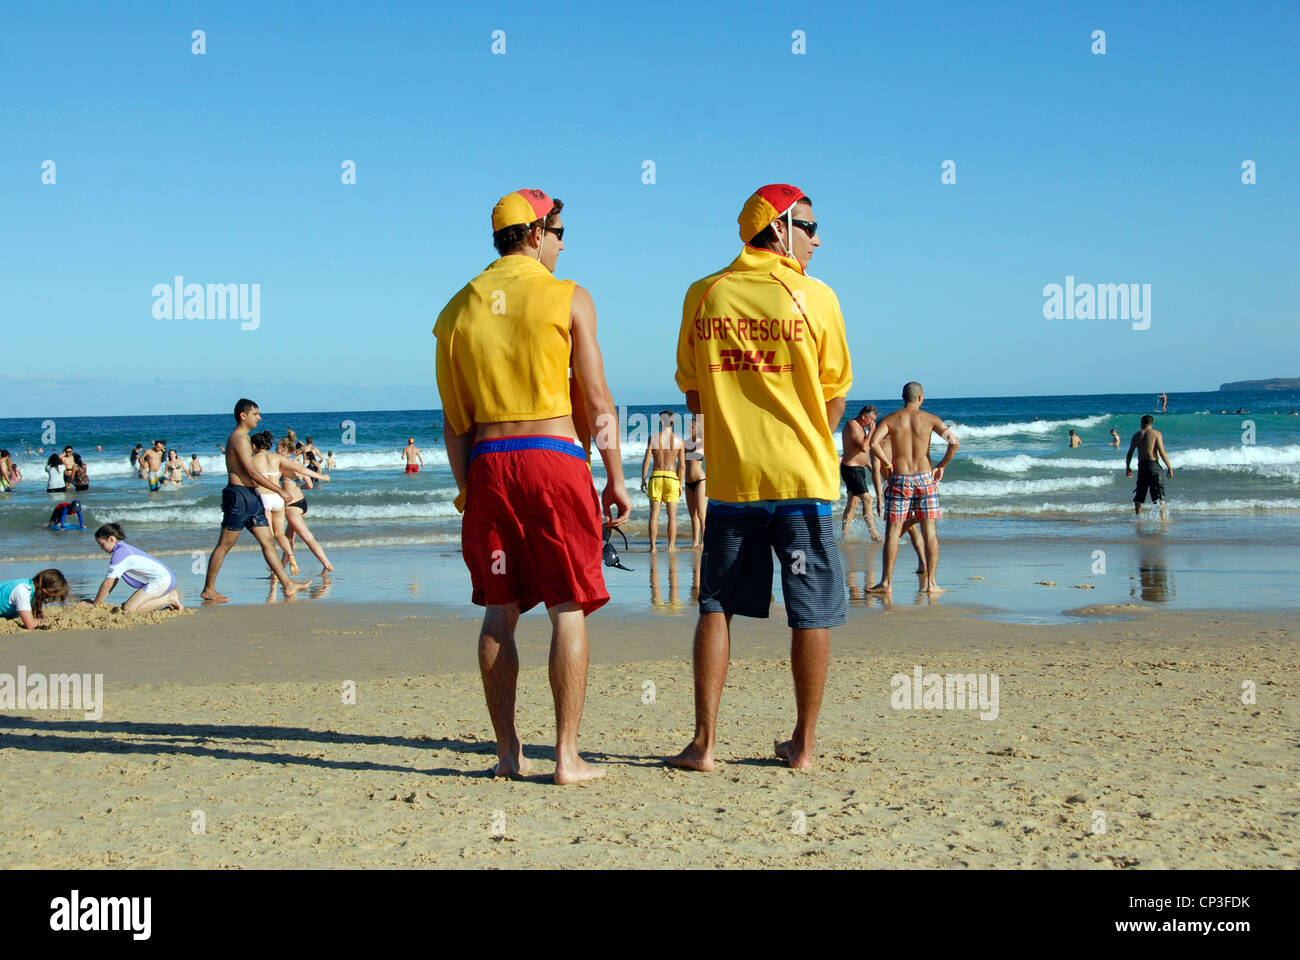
pixel 527 222
pixel 913 393
pixel 1148 420
pixel 779 217
pixel 247 414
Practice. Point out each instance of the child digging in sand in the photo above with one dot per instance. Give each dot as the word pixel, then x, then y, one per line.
pixel 155 585
pixel 25 599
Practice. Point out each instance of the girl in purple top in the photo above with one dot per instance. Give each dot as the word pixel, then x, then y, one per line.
pixel 154 583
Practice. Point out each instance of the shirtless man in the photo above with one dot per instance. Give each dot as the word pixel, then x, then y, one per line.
pixel 1075 440
pixel 1150 446
pixel 853 469
pixel 241 507
pixel 665 463
pixel 879 475
pixel 151 462
pixel 411 454
pixel 69 464
pixel 911 492
pixel 1164 402
pixel 1114 438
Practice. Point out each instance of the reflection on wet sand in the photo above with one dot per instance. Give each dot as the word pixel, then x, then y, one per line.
pixel 674 603
pixel 1154 581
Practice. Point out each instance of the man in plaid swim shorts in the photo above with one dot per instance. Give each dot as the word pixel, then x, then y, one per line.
pixel 911 495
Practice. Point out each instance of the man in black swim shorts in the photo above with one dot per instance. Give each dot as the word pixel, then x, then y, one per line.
pixel 855 460
pixel 1150 446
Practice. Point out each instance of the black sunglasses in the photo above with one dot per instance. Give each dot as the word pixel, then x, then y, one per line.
pixel 558 231
pixel 808 226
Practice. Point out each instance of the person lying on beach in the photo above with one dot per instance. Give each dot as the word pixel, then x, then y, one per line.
pixel 25 599
pixel 295 515
pixel 912 491
pixel 242 509
pixel 1150 446
pixel 154 583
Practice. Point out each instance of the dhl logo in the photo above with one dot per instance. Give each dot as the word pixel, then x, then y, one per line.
pixel 738 361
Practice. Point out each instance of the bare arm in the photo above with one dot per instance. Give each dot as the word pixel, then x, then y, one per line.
pixel 1128 457
pixel 645 465
pixel 878 451
pixel 680 461
pixel 1160 451
pixel 589 369
pixel 458 445
pixel 835 412
pixel 947 436
pixel 289 465
pixel 29 622
pixel 105 589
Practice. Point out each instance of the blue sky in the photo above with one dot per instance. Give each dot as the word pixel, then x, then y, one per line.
pixel 225 168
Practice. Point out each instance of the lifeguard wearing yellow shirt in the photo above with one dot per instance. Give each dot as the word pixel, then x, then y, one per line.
pixel 762 354
pixel 532 526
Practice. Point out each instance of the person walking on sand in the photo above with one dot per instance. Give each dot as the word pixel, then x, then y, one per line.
pixel 516 431
pixel 853 469
pixel 241 507
pixel 912 492
pixel 665 463
pixel 412 457
pixel 1150 446
pixel 762 353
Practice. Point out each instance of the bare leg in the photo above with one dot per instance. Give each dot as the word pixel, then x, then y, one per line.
pixel 922 576
pixel 931 531
pixel 810 652
pixel 267 543
pixel 701 506
pixel 672 526
pixel 224 543
pixel 298 525
pixel 890 555
pixel 870 516
pixel 498 664
pixel 568 668
pixel 141 602
pixel 654 524
pixel 276 518
pixel 847 519
pixel 711 655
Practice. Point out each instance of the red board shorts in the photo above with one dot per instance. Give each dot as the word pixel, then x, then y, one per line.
pixel 532 531
pixel 412 468
pixel 911 495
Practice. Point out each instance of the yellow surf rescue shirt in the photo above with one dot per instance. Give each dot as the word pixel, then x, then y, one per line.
pixel 503 346
pixel 764 345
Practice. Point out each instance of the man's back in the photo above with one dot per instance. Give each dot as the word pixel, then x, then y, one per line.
pixel 764 345
pixel 854 442
pixel 664 449
pixel 910 429
pixel 1148 441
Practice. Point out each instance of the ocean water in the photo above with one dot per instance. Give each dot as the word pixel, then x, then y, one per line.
pixel 1014 481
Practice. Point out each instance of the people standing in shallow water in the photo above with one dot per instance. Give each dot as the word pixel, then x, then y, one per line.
pixel 54 469
pixel 275 465
pixel 154 583
pixel 1075 440
pixel 175 470
pixel 25 599
pixel 1150 446
pixel 1114 437
pixel 696 486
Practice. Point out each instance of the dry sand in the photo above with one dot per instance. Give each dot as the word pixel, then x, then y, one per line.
pixel 238 713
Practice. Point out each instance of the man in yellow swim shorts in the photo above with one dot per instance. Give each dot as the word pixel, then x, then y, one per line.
pixel 665 455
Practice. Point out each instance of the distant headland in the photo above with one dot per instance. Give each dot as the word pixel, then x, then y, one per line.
pixel 1277 383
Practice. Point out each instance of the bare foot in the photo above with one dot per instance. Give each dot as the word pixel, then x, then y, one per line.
pixel 293 565
pixel 329 568
pixel 877 537
pixel 935 588
pixel 516 766
pixel 211 596
pixel 881 587
pixel 787 752
pixel 293 587
pixel 577 770
pixel 653 548
pixel 693 758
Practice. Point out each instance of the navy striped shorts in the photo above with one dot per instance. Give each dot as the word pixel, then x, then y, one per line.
pixel 736 566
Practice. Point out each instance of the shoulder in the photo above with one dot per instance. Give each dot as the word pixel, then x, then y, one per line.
pixel 696 291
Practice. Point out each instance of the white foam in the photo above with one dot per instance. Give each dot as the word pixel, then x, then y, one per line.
pixel 1231 459
pixel 1125 509
pixel 1033 428
pixel 1020 488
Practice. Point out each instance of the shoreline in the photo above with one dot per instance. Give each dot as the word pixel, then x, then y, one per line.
pixel 239 716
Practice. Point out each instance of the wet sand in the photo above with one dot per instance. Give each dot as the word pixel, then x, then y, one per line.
pixel 1119 743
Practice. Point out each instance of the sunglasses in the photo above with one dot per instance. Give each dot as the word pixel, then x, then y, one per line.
pixel 558 231
pixel 808 226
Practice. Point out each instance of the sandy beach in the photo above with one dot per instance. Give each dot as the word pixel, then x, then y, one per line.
pixel 1122 742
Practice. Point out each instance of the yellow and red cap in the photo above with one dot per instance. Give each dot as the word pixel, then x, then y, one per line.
pixel 764 206
pixel 522 206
